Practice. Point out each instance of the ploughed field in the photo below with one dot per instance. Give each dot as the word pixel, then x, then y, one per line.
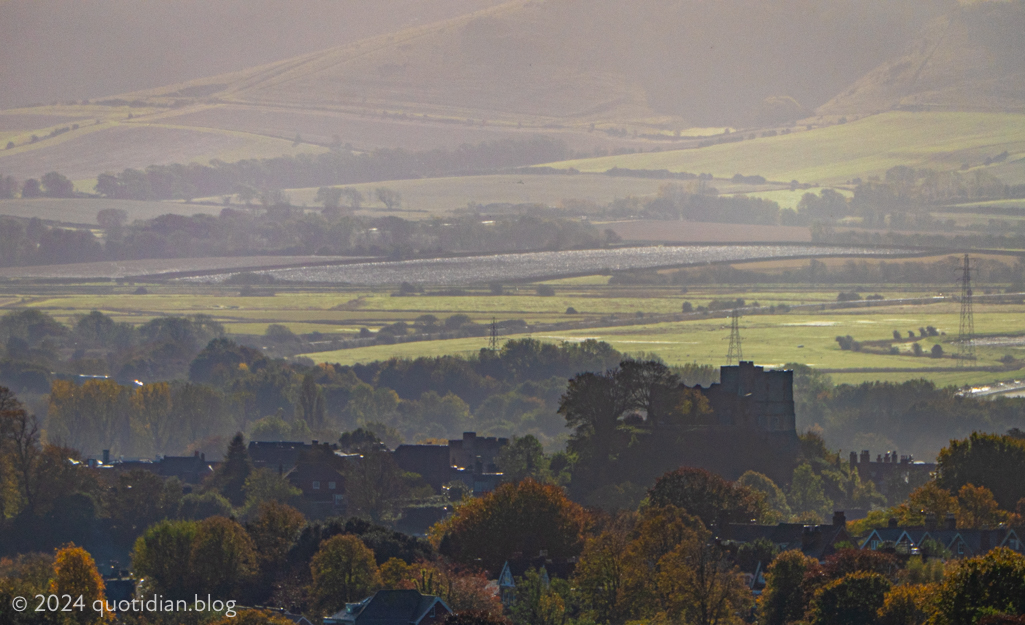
pixel 540 265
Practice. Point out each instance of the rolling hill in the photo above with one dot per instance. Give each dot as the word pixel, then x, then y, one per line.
pixel 970 59
pixel 603 75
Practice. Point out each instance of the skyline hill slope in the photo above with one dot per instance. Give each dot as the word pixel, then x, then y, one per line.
pixel 970 59
pixel 702 62
pixel 61 50
pixel 602 76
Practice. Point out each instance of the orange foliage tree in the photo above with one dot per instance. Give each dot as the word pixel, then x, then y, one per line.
pixel 524 518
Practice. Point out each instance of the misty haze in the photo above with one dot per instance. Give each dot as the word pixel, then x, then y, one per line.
pixel 545 312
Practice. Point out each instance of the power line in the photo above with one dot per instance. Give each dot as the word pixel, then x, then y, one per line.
pixel 493 341
pixel 966 331
pixel 735 350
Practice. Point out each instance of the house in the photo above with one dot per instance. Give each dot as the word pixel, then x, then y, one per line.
pixel 507 579
pixel 470 460
pixel 475 452
pixel 517 567
pixel 961 543
pixel 815 541
pixel 281 456
pixel 298 619
pixel 319 475
pixel 889 470
pixel 189 469
pixel 431 462
pixel 393 607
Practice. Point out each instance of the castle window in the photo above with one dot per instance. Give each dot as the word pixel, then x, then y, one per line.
pixel 330 485
pixel 316 485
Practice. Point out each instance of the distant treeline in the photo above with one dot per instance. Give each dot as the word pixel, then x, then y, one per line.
pixel 851 272
pixel 288 230
pixel 197 384
pixel 914 417
pixel 821 233
pixel 164 182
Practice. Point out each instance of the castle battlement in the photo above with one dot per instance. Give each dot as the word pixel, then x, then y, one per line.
pixel 752 398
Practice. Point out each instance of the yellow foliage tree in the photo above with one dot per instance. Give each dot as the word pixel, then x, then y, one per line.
pixel 75 574
pixel 343 571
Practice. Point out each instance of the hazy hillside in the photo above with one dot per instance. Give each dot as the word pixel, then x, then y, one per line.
pixel 973 58
pixel 709 62
pixel 605 76
pixel 74 49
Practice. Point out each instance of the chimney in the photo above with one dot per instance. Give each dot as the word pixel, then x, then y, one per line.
pixel 106 456
pixel 195 454
pixel 865 456
pixel 839 518
pixel 951 521
pixel 202 457
pixel 854 458
pixel 930 521
pixel 892 523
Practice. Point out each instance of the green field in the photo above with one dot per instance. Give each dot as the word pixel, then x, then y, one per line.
pixel 634 319
pixel 83 211
pixel 836 154
pixel 776 339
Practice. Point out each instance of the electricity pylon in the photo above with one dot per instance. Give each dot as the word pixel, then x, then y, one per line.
pixel 966 331
pixel 734 351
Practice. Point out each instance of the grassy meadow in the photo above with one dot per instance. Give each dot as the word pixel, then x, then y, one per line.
pixel 634 319
pixel 838 153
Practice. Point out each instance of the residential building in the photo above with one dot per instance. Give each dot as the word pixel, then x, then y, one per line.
pixel 890 472
pixel 815 541
pixel 960 543
pixel 393 607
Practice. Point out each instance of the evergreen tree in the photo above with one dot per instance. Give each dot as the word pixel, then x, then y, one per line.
pixel 230 477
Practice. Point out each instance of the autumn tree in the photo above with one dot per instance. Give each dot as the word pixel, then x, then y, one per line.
pixel 601 577
pixel 343 571
pixel 908 604
pixel 274 530
pixel 707 496
pixel 253 617
pixel 375 485
pixel 135 502
pixel 807 492
pixel 310 407
pixel 330 197
pixel 523 457
pixel 977 508
pixel 775 500
pixel 223 557
pixel 391 199
pixel 464 589
pixel 784 601
pixel 19 455
pixel 475 617
pixel 162 557
pixel 988 460
pixel 703 585
pixel 57 185
pixel 990 584
pixel 536 602
pixel 524 518
pixel 854 599
pixel 75 574
pixel 267 485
